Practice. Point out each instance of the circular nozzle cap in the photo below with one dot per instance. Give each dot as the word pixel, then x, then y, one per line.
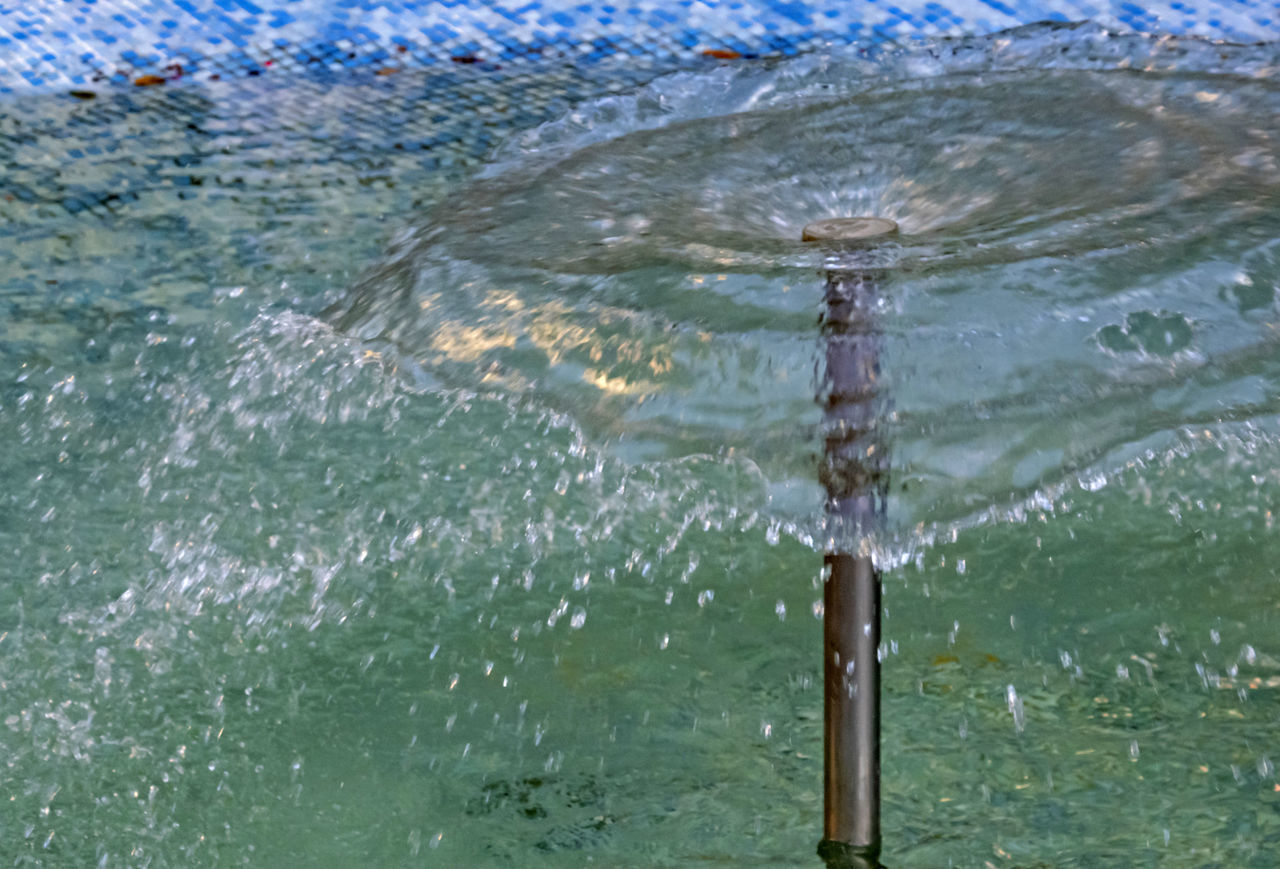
pixel 849 229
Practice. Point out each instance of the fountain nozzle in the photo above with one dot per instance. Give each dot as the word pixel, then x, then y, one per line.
pixel 848 229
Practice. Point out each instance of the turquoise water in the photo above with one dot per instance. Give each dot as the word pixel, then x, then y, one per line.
pixel 504 550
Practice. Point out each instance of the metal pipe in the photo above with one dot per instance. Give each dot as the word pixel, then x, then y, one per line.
pixel 851 720
pixel 854 472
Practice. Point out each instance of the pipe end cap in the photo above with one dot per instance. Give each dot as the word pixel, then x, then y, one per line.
pixel 849 229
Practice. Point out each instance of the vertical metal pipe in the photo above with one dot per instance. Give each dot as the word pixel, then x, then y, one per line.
pixel 851 756
pixel 854 472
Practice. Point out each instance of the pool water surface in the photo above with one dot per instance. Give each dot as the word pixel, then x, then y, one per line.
pixel 391 514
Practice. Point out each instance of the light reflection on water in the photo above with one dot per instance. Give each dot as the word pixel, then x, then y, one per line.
pixel 403 594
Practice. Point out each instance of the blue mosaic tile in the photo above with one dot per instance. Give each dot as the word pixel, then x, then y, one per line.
pixel 49 44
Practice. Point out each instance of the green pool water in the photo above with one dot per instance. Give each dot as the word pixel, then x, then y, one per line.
pixel 413 523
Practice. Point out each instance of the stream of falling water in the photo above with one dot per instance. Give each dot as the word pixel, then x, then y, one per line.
pixel 509 557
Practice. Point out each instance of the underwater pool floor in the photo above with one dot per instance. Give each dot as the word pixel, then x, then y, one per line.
pixel 315 556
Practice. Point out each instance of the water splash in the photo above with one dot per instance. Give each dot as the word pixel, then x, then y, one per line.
pixel 273 588
pixel 1087 262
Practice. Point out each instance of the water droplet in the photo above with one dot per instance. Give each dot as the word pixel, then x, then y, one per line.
pixel 1093 482
pixel 1015 708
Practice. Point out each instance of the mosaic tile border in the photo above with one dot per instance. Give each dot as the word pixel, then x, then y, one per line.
pixel 70 44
